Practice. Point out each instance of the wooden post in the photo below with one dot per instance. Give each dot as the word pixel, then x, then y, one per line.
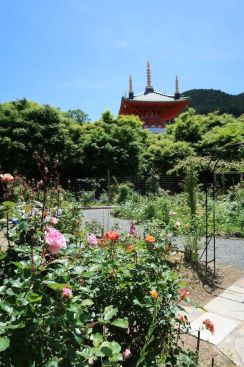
pixel 198 345
pixel 109 186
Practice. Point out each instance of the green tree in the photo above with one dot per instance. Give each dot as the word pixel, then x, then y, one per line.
pixel 164 154
pixel 26 128
pixel 220 136
pixel 78 115
pixel 113 143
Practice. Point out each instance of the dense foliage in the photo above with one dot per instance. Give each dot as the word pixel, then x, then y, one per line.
pixel 209 100
pixel 183 208
pixel 116 144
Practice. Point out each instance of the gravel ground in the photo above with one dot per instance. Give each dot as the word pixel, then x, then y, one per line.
pixel 229 251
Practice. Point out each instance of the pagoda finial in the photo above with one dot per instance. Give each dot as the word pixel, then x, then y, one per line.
pixel 148 75
pixel 131 94
pixel 130 81
pixel 149 87
pixel 177 85
pixel 177 90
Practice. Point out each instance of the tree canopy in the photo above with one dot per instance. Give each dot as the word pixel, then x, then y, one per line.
pixel 78 115
pixel 116 143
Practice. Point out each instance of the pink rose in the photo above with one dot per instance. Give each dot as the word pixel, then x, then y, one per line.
pixel 54 220
pixel 6 177
pixel 67 292
pixel 54 239
pixel 92 240
pixel 184 294
pixel 126 353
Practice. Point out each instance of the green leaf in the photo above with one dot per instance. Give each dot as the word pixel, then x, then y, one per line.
pixel 117 357
pixel 110 312
pixel 116 348
pixel 74 307
pixel 20 264
pixel 86 353
pixel 97 339
pixel 137 303
pixel 87 302
pixel 9 204
pixel 58 261
pixel 56 286
pixel 123 323
pixel 106 349
pixel 6 307
pixel 17 324
pixel 4 343
pixel 52 363
pixel 3 255
pixel 34 297
pixel 2 328
pixel 111 349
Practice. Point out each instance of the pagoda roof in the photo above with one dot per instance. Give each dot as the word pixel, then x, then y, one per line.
pixel 155 97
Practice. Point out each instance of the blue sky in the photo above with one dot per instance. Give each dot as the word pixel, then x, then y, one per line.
pixel 79 53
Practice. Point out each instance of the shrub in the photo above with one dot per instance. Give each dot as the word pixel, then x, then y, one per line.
pixel 86 197
pixel 107 301
pixel 124 191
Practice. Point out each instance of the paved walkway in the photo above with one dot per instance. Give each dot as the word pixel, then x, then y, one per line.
pixel 227 313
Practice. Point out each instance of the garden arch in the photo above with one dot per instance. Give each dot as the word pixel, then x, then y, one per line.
pixel 208 255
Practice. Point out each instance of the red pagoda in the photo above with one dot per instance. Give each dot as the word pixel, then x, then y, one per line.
pixel 154 109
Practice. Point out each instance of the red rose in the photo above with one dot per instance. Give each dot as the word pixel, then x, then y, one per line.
pixel 111 235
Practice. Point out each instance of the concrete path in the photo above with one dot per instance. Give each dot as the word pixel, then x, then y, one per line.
pixel 104 217
pixel 227 313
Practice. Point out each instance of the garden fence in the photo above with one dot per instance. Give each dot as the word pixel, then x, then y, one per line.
pixel 149 184
pixel 106 184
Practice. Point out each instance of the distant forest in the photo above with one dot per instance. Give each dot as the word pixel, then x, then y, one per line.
pixel 209 100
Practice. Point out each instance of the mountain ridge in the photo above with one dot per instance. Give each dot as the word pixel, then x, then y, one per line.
pixel 209 100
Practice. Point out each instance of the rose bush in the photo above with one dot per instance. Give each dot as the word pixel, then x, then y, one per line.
pixel 69 298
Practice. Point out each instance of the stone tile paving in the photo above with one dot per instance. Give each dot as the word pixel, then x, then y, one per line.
pixel 230 303
pixel 193 313
pixel 223 327
pixel 233 345
pixel 227 313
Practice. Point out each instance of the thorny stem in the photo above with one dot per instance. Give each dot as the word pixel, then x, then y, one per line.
pixel 149 335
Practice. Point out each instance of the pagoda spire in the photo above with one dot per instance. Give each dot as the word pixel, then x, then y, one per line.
pixel 148 75
pixel 149 87
pixel 131 93
pixel 177 90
